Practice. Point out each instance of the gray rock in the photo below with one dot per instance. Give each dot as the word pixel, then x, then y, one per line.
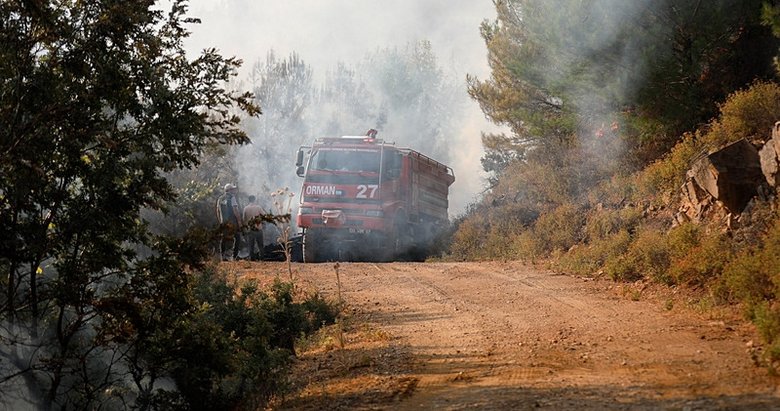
pixel 770 158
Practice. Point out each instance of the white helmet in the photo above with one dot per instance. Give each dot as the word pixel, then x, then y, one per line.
pixel 230 186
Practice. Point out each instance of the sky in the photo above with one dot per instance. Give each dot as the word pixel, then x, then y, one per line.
pixel 324 32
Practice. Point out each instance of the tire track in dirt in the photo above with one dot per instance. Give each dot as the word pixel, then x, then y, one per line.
pixel 504 335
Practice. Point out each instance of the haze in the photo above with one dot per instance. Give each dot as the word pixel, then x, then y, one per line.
pixel 324 32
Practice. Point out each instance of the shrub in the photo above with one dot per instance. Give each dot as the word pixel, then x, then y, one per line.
pixel 683 238
pixel 753 278
pixel 469 238
pixel 745 278
pixel 752 112
pixel 560 228
pixel 652 253
pixel 646 256
pixel 667 174
pixel 603 223
pixel 701 263
pixel 527 247
pixel 488 233
pixel 234 349
pixel 766 316
pixel 588 259
pixel 622 268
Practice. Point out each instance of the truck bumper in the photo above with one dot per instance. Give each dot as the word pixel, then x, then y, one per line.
pixel 349 224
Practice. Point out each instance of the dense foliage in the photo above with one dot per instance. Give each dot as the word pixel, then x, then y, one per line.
pixel 98 104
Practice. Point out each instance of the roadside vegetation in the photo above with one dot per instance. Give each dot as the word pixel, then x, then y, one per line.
pixel 108 298
pixel 605 115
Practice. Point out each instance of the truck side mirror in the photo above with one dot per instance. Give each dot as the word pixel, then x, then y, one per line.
pixel 299 159
pixel 299 171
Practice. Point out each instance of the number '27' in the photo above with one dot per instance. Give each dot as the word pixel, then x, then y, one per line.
pixel 363 189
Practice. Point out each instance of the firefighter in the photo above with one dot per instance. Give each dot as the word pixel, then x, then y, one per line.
pixel 252 213
pixel 230 220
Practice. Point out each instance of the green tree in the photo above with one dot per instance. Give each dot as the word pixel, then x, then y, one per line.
pixel 770 14
pixel 562 71
pixel 97 101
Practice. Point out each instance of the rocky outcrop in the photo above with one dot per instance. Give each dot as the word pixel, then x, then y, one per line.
pixel 731 174
pixel 720 184
pixel 770 158
pixel 696 204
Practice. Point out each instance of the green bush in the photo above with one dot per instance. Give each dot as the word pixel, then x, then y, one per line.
pixel 683 238
pixel 746 279
pixel 234 349
pixel 766 317
pixel 646 256
pixel 486 233
pixel 702 263
pixel 588 259
pixel 469 238
pixel 652 252
pixel 753 277
pixel 752 112
pixel 560 228
pixel 622 268
pixel 603 223
pixel 667 174
pixel 526 247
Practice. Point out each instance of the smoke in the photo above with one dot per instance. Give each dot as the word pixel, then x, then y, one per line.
pixel 588 58
pixel 343 44
pixel 596 59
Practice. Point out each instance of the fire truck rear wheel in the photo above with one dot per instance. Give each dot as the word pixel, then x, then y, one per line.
pixel 403 238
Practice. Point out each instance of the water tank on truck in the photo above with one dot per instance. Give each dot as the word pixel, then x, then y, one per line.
pixel 364 199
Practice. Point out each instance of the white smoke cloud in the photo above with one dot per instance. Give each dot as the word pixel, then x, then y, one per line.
pixel 325 32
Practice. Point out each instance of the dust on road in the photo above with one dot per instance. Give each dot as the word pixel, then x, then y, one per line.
pixel 503 335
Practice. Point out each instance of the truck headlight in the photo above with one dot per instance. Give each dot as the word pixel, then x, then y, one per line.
pixel 306 210
pixel 375 213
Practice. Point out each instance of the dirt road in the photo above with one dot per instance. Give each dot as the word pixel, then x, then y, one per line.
pixel 508 336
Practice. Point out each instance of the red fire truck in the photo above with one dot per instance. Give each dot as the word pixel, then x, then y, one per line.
pixel 364 199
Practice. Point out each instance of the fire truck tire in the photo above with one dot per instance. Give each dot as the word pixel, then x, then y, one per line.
pixel 403 238
pixel 312 243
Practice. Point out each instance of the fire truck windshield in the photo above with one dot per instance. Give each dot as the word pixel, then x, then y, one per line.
pixel 346 160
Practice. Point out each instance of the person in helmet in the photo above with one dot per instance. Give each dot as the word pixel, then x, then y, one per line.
pixel 229 217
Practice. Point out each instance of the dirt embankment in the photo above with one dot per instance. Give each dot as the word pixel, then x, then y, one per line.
pixel 508 336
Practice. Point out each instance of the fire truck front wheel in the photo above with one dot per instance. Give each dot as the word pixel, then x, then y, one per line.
pixel 312 247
